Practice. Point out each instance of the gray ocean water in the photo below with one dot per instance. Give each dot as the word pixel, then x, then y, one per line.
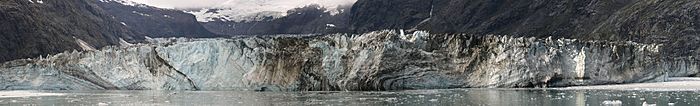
pixel 460 97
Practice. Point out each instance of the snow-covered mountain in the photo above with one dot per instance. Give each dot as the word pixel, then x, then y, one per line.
pixel 245 17
pixel 234 14
pixel 247 10
pixel 304 20
pixel 154 21
pixel 259 10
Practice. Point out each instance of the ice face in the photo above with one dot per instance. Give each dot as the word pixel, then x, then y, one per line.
pixel 381 60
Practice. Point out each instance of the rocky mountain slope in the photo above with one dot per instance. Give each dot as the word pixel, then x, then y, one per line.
pixel 382 60
pixel 673 23
pixel 155 22
pixel 30 28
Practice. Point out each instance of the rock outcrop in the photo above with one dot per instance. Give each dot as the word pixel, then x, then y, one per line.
pixel 381 60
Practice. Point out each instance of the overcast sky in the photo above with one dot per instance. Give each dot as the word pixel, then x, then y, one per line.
pixel 233 3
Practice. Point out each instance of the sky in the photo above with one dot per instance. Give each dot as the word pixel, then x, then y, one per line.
pixel 235 3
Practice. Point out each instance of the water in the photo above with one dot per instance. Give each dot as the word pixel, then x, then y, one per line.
pixel 461 97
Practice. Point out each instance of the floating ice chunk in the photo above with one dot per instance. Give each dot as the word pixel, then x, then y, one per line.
pixel 612 103
pixel 433 100
pixel 15 94
pixel 647 104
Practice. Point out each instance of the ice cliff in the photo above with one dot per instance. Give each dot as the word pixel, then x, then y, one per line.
pixel 380 60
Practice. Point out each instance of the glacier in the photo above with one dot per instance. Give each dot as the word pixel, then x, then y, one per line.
pixel 380 60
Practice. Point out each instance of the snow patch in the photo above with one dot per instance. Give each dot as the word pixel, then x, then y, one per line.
pixel 126 2
pixel 84 45
pixel 124 43
pixel 142 14
pixel 330 25
pixel 333 13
